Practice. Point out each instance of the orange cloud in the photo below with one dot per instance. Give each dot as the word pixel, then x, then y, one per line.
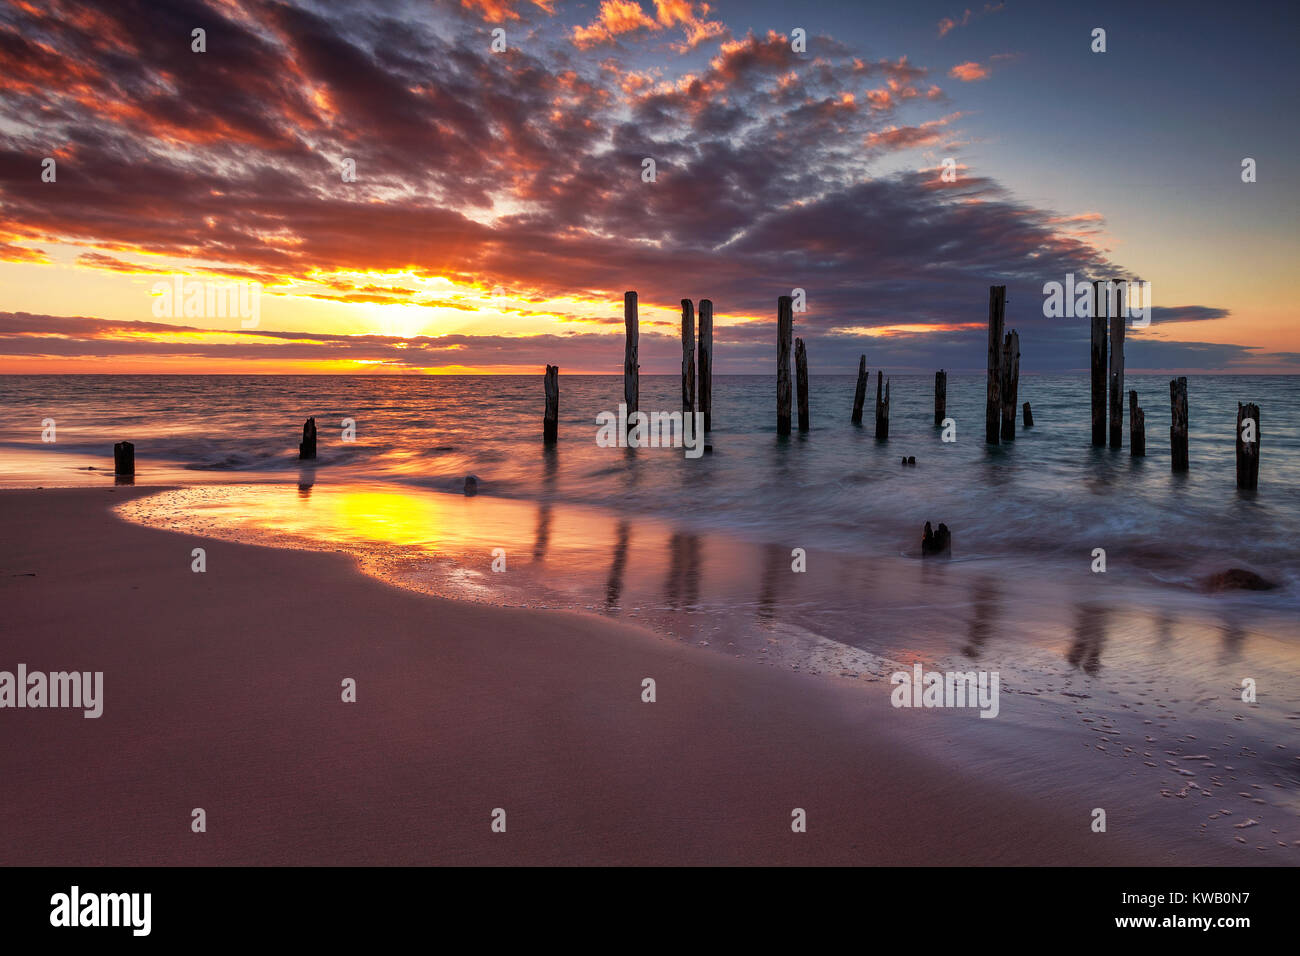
pixel 498 10
pixel 968 72
pixel 880 99
pixel 698 29
pixel 11 253
pixel 616 17
pixel 892 93
pixel 619 17
pixel 908 137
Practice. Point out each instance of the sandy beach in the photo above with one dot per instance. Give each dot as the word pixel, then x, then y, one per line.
pixel 222 691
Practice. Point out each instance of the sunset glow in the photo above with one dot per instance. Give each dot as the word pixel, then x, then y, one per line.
pixel 421 203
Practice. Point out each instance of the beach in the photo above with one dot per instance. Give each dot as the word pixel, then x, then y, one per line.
pixel 772 589
pixel 222 692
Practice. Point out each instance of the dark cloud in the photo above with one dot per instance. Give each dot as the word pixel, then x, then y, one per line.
pixel 738 349
pixel 520 169
pixel 1161 315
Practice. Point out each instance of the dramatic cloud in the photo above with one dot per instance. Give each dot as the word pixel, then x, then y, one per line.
pixel 521 169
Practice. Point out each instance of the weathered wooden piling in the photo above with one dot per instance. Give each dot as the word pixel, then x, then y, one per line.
pixel 307 447
pixel 1029 416
pixel 1178 427
pixel 993 399
pixel 940 397
pixel 801 382
pixel 688 357
pixel 124 458
pixel 784 331
pixel 705 370
pixel 1010 383
pixel 936 542
pixel 1137 427
pixel 551 421
pixel 882 408
pixel 631 358
pixel 1099 378
pixel 1247 446
pixel 860 393
pixel 1116 365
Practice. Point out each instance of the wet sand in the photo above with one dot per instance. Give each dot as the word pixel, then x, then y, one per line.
pixel 222 691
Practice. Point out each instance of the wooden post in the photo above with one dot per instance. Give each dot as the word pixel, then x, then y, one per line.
pixel 801 382
pixel 993 397
pixel 551 421
pixel 1137 427
pixel 706 362
pixel 631 368
pixel 688 357
pixel 784 330
pixel 860 393
pixel 1247 450
pixel 1010 383
pixel 936 542
pixel 124 458
pixel 1029 417
pixel 1098 367
pixel 882 408
pixel 1178 428
pixel 1116 365
pixel 940 397
pixel 307 447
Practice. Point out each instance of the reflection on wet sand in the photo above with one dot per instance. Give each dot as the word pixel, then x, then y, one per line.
pixel 983 616
pixel 542 537
pixel 1089 638
pixel 614 586
pixel 1164 630
pixel 773 566
pixel 582 558
pixel 306 479
pixel 683 584
pixel 1234 636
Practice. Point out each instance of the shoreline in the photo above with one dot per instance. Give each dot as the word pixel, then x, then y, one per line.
pixel 461 708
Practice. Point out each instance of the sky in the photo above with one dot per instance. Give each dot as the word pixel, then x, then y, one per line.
pixel 393 187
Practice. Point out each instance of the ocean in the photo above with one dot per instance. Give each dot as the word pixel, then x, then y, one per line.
pixel 799 552
pixel 1049 497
